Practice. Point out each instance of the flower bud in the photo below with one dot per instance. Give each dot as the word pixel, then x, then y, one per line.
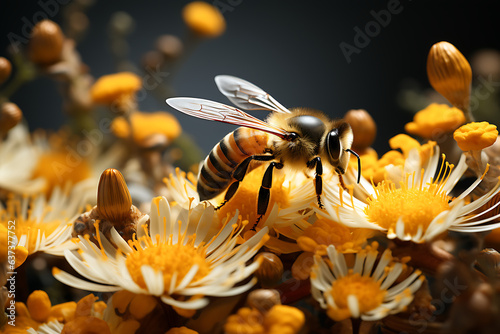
pixel 270 270
pixel 113 197
pixel 5 69
pixel 10 116
pixel 170 46
pixel 450 75
pixel 204 19
pixel 46 43
pixel 363 128
pixel 263 299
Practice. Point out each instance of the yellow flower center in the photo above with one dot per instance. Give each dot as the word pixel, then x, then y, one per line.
pixel 365 288
pixel 323 232
pixel 28 226
pixel 58 168
pixel 169 259
pixel 416 205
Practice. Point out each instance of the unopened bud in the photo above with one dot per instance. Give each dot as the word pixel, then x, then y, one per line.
pixel 170 46
pixel 450 75
pixel 263 299
pixel 5 69
pixel 46 43
pixel 270 270
pixel 113 197
pixel 363 128
pixel 10 116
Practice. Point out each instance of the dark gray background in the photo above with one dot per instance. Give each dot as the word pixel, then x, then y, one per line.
pixel 289 48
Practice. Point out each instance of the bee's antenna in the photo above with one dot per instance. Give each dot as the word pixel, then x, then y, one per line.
pixel 359 162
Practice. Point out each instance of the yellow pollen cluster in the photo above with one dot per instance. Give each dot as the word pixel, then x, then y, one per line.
pixel 145 125
pixel 364 288
pixel 109 88
pixel 435 120
pixel 475 136
pixel 168 259
pixel 322 233
pixel 204 19
pixel 416 205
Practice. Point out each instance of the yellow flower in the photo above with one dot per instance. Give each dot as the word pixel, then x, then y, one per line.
pixel 325 232
pixel 376 170
pixel 280 319
pixel 38 315
pixel 146 125
pixel 435 120
pixel 53 167
pixel 45 226
pixel 204 19
pixel 360 290
pixel 113 87
pixel 176 260
pixel 475 136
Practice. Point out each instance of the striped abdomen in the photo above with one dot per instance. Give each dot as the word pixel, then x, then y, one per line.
pixel 216 174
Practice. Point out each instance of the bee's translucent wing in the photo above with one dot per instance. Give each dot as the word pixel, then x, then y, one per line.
pixel 246 95
pixel 215 111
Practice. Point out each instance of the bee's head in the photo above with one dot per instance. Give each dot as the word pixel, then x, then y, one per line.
pixel 337 145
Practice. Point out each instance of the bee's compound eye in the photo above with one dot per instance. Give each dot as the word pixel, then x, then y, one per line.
pixel 292 136
pixel 333 146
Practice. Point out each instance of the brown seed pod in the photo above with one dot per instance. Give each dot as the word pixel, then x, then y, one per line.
pixel 5 69
pixel 450 75
pixel 170 46
pixel 46 43
pixel 10 116
pixel 263 299
pixel 363 128
pixel 270 271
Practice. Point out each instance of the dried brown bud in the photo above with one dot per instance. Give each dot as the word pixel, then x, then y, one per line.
pixel 5 69
pixel 450 75
pixel 363 128
pixel 489 262
pixel 152 60
pixel 270 271
pixel 113 198
pixel 170 46
pixel 46 43
pixel 263 299
pixel 10 116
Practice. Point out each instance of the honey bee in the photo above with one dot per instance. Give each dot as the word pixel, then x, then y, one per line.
pixel 297 138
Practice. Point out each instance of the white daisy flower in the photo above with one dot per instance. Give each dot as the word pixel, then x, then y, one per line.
pixel 414 202
pixel 177 260
pixel 41 225
pixel 364 291
pixel 18 160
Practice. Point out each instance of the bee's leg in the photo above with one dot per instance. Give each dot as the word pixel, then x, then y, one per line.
pixel 239 173
pixel 318 179
pixel 264 192
pixel 341 179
